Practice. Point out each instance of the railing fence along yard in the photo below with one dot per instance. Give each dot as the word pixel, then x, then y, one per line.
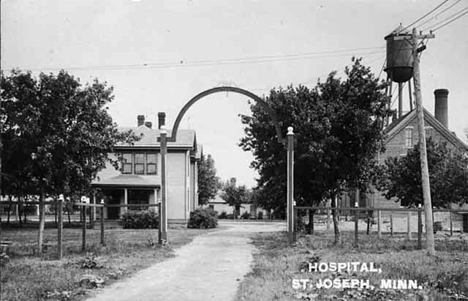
pixel 373 215
pixel 87 220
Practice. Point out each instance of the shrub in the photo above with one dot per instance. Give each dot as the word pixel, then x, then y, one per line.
pixel 260 215
pixel 245 215
pixel 230 216
pixel 140 220
pixel 222 215
pixel 203 218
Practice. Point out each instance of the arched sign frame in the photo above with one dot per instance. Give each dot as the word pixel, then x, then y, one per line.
pixel 164 139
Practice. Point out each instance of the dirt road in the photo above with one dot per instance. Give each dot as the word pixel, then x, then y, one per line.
pixel 209 268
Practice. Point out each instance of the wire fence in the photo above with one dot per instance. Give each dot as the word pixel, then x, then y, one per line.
pixel 380 221
pixel 88 216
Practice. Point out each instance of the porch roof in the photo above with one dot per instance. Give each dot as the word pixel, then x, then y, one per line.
pixel 126 181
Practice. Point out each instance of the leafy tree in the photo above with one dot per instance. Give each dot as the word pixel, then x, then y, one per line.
pixel 401 177
pixel 235 196
pixel 208 182
pixel 56 135
pixel 338 131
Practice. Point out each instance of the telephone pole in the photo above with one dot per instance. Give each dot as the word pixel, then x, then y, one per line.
pixel 426 188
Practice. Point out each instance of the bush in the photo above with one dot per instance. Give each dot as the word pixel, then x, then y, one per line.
pixel 222 215
pixel 203 218
pixel 140 220
pixel 230 216
pixel 260 215
pixel 245 215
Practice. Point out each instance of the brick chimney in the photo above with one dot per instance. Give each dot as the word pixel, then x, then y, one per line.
pixel 141 120
pixel 232 182
pixel 441 106
pixel 149 124
pixel 161 119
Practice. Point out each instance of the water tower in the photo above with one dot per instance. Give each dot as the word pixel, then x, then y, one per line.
pixel 399 65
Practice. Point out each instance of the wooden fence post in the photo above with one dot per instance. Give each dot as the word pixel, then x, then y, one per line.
pixel 451 224
pixel 408 223
pixel 102 224
pixel 419 228
pixel 83 245
pixel 379 225
pixel 295 224
pixel 60 227
pixel 356 224
pixel 391 223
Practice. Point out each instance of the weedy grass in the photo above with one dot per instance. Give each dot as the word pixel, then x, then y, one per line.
pixel 442 277
pixel 29 276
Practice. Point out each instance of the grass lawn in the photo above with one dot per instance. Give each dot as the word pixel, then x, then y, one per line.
pixel 443 277
pixel 28 276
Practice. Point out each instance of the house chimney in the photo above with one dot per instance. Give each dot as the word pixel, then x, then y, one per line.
pixel 141 120
pixel 441 109
pixel 161 119
pixel 149 124
pixel 233 182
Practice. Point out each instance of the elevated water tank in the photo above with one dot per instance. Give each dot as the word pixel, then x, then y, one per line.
pixel 399 56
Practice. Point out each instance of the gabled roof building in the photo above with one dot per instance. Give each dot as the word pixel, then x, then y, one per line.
pixel 138 179
pixel 402 135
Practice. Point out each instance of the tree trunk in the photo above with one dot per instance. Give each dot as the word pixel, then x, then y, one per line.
pixel 335 222
pixel 310 226
pixel 9 210
pixel 18 212
pixel 41 222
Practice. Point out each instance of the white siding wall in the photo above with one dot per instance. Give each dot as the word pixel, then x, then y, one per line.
pixel 176 185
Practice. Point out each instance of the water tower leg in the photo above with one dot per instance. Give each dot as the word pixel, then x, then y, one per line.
pixel 400 100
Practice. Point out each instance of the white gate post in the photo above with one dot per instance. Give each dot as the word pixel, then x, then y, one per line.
pixel 290 186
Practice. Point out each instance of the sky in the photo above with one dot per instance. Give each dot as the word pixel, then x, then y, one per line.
pixel 159 54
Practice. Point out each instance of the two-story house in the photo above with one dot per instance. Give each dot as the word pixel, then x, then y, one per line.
pixel 138 180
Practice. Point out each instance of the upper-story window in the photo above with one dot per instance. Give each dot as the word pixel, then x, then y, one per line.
pixel 151 164
pixel 140 164
pixel 409 137
pixel 429 131
pixel 127 163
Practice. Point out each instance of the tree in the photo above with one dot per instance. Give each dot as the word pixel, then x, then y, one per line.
pixel 56 135
pixel 401 177
pixel 235 195
pixel 208 182
pixel 338 129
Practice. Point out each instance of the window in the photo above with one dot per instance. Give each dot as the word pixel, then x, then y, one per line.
pixel 140 164
pixel 409 137
pixel 127 163
pixel 151 164
pixel 429 132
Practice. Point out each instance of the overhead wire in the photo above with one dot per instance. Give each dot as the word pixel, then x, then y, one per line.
pixel 434 9
pixel 428 20
pixel 455 17
pixel 202 63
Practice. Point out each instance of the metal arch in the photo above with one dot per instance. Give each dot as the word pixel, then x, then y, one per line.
pixel 265 106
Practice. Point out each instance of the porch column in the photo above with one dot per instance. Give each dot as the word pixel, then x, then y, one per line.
pixel 155 200
pixel 125 200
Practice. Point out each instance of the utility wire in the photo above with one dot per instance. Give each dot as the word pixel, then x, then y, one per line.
pixel 246 60
pixel 425 22
pixel 455 16
pixel 437 7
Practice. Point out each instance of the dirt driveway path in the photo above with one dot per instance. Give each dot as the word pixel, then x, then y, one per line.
pixel 208 268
